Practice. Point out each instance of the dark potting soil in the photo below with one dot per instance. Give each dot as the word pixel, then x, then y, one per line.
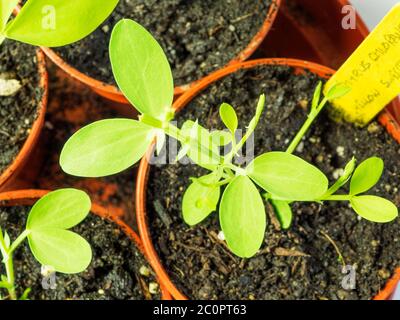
pixel 302 262
pixel 114 272
pixel 18 111
pixel 198 36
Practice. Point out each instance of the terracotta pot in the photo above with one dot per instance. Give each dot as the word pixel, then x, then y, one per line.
pixel 313 32
pixel 111 92
pixel 29 197
pixel 9 175
pixel 141 185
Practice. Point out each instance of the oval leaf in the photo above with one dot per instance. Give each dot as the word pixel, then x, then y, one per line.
pixel 242 217
pixel 63 209
pixel 288 177
pixel 141 69
pixel 105 147
pixel 228 117
pixel 374 208
pixel 58 22
pixel 283 212
pixel 200 200
pixel 64 250
pixel 366 175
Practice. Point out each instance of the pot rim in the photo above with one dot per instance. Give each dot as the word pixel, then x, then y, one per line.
pixel 113 93
pixel 12 198
pixel 144 168
pixel 36 128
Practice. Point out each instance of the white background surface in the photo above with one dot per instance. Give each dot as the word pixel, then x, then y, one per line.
pixel 372 11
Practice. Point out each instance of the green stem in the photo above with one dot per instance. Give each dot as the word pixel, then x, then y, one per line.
pixel 234 168
pixel 338 197
pixel 7 254
pixel 18 241
pixel 10 277
pixel 311 117
pixel 252 126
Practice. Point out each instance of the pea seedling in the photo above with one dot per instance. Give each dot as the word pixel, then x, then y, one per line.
pixel 49 240
pixel 143 74
pixel 53 23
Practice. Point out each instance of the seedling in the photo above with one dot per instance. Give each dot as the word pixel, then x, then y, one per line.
pixel 53 23
pixel 143 74
pixel 50 241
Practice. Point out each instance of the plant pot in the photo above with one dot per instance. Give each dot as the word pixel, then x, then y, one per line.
pixel 314 33
pixel 111 92
pixel 8 176
pixel 144 169
pixel 29 197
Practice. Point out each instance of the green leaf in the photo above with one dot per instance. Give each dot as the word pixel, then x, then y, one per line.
pixel 366 175
pixel 202 149
pixel 288 177
pixel 200 199
pixel 283 212
pixel 63 209
pixel 106 147
pixel 221 138
pixel 374 208
pixel 317 95
pixel 337 91
pixel 58 22
pixel 25 294
pixel 242 217
pixel 141 69
pixel 348 170
pixel 7 240
pixel 6 9
pixel 228 117
pixel 65 251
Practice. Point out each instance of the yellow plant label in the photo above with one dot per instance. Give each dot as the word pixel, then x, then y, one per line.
pixel 372 72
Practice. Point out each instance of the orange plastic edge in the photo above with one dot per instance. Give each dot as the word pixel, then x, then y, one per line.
pixel 112 93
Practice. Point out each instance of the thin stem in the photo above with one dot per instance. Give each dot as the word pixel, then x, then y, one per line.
pixel 2 38
pixel 337 197
pixel 18 241
pixel 311 117
pixel 235 168
pixel 252 126
pixel 10 277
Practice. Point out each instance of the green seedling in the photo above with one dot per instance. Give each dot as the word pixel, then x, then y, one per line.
pixel 143 74
pixel 53 23
pixel 50 241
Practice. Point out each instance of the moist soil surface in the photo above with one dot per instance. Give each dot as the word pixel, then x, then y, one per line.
pixel 198 36
pixel 18 111
pixel 114 272
pixel 302 262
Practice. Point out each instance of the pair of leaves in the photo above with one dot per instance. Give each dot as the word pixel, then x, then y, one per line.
pixel 106 147
pixel 241 211
pixel 50 241
pixel 54 23
pixel 369 207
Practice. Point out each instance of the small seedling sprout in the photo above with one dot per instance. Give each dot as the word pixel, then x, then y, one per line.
pixel 50 241
pixel 143 74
